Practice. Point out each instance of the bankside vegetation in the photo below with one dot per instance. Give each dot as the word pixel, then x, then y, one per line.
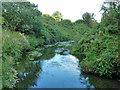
pixel 99 45
pixel 25 28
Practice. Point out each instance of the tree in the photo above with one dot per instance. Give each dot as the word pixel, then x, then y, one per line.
pixel 57 15
pixel 79 21
pixel 66 23
pixel 88 18
pixel 110 12
pixel 23 17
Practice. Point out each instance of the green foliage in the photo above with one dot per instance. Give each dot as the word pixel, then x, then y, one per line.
pixel 12 44
pixel 79 21
pixel 33 42
pixel 100 44
pixel 101 51
pixel 97 41
pixel 66 23
pixel 88 19
pixel 54 31
pixel 57 15
pixel 27 19
pixel 34 55
pixel 22 17
pixel 2 20
pixel 9 75
pixel 110 12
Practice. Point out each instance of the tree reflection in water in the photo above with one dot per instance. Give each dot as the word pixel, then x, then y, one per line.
pixel 30 72
pixel 84 80
pixel 29 75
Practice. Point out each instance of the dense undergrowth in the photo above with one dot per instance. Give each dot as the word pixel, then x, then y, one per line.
pixel 12 45
pixel 26 31
pixel 24 27
pixel 100 50
pixel 100 44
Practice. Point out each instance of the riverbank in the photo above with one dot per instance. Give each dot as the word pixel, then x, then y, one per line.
pixel 100 50
pixel 35 55
pixel 14 45
pixel 57 68
pixel 26 29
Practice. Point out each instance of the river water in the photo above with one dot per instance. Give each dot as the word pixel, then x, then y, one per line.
pixel 56 68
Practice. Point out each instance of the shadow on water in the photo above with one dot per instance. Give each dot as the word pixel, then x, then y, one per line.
pixel 27 72
pixel 101 82
pixel 47 53
pixel 56 68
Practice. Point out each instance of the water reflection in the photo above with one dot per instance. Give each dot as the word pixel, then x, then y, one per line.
pixel 61 71
pixel 56 68
pixel 48 53
pixel 27 72
pixel 101 82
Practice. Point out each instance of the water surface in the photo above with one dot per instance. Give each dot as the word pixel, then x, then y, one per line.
pixel 56 68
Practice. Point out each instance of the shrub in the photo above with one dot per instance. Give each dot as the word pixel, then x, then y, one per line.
pixel 12 44
pixel 9 74
pixel 101 51
pixel 33 42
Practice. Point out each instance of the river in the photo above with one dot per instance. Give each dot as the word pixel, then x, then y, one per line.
pixel 56 68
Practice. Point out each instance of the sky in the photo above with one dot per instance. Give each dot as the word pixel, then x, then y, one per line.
pixel 70 9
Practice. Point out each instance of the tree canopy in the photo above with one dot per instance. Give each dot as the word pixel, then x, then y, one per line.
pixel 57 15
pixel 88 18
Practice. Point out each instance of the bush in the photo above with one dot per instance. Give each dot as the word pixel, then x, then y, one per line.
pixel 101 51
pixel 33 42
pixel 12 45
pixel 9 74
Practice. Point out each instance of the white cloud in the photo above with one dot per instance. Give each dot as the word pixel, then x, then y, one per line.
pixel 70 9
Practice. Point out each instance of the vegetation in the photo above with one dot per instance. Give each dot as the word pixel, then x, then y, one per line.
pixel 100 44
pixel 57 15
pixel 25 27
pixel 12 44
pixel 88 19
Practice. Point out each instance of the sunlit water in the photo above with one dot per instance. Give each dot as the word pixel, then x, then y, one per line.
pixel 59 71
